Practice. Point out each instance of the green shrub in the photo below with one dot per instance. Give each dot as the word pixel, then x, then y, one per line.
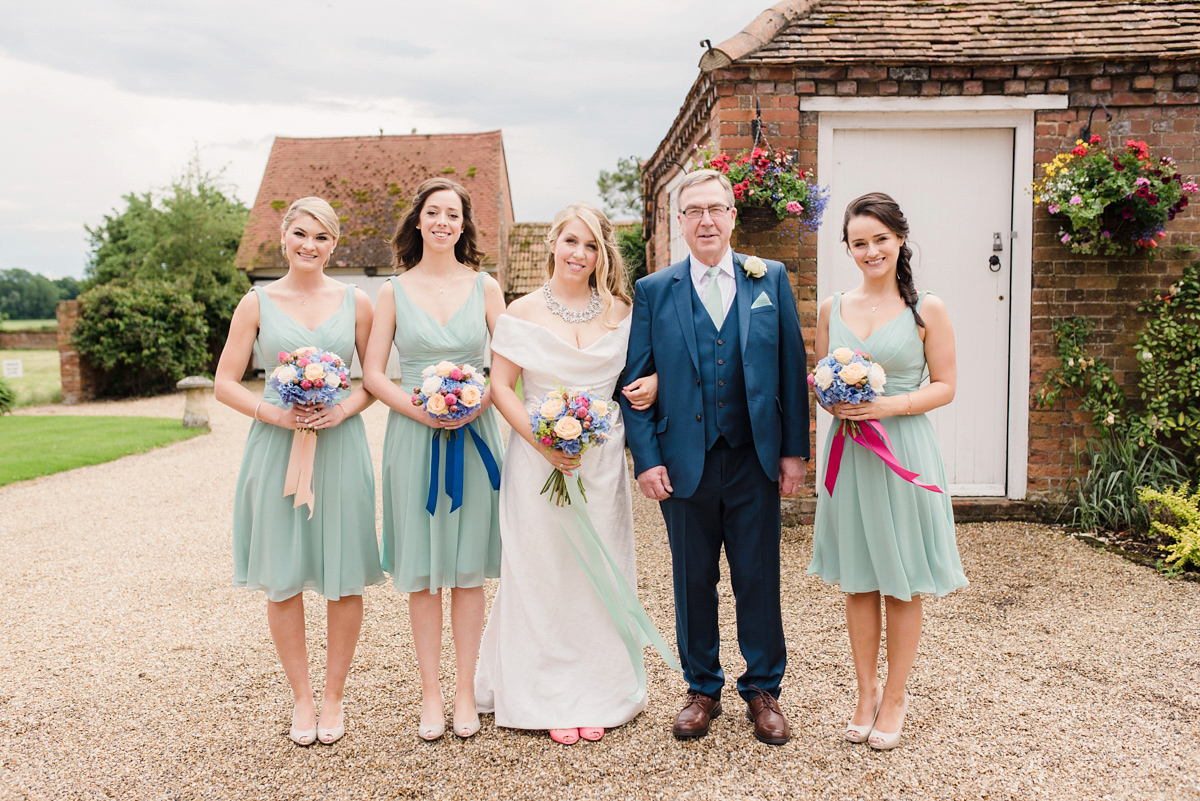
pixel 144 336
pixel 1107 497
pixel 1179 508
pixel 8 397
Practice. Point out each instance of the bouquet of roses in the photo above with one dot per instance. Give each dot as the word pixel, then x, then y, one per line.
pixel 449 391
pixel 847 376
pixel 570 420
pixel 306 375
pixel 309 375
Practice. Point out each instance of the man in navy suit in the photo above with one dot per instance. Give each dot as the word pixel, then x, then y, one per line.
pixel 726 438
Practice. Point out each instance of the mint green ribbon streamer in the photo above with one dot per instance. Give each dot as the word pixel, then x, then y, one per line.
pixel 630 619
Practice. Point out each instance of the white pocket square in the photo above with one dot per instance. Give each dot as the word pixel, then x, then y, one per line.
pixel 761 300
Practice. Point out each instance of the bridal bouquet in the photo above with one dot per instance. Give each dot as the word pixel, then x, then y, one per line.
pixel 847 376
pixel 449 391
pixel 570 420
pixel 309 375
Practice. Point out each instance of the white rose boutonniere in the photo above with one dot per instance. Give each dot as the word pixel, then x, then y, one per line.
pixel 754 267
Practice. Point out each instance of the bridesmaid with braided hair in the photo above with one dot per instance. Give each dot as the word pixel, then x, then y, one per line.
pixel 878 535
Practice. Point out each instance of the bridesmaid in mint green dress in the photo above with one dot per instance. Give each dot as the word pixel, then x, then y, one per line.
pixel 277 547
pixel 879 535
pixel 440 308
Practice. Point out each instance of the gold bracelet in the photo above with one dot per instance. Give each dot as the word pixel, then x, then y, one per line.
pixel 260 403
pixel 909 396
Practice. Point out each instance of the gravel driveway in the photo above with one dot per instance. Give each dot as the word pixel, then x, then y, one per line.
pixel 131 668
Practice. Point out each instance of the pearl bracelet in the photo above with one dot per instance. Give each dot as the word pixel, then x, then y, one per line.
pixel 260 403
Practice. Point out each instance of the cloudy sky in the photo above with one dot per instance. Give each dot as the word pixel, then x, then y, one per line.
pixel 108 97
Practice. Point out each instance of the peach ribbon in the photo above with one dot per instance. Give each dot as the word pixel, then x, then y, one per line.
pixel 298 480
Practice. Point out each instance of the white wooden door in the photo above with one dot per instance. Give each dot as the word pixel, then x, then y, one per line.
pixel 955 186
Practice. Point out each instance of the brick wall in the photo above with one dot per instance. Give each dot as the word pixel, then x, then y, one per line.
pixel 28 340
pixel 1152 100
pixel 78 378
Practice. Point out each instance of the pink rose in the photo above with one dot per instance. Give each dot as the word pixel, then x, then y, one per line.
pixel 416 400
pixel 284 356
pixel 451 399
pixel 305 384
pixel 302 362
pixel 319 384
pixel 326 357
pixel 456 374
pixel 547 441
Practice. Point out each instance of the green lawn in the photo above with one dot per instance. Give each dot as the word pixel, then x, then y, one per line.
pixel 41 382
pixel 28 325
pixel 39 446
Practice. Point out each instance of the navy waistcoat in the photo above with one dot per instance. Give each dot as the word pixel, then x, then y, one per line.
pixel 722 379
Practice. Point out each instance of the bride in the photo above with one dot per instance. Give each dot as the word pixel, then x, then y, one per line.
pixel 553 657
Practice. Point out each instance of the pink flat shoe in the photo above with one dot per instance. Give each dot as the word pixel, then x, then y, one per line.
pixel 565 736
pixel 591 733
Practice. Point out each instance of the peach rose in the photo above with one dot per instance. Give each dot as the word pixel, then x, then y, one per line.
pixel 843 355
pixel 470 395
pixel 568 428
pixel 551 408
pixel 436 404
pixel 854 374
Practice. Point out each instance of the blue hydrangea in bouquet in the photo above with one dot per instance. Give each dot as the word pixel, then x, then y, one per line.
pixel 309 375
pixel 449 391
pixel 847 376
pixel 570 420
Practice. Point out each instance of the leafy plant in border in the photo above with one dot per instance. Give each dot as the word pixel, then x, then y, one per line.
pixel 1106 497
pixel 1184 509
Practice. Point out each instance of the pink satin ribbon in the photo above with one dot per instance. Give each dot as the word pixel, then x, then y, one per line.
pixel 298 480
pixel 873 437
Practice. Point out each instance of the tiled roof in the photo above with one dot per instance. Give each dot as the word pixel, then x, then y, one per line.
pixel 526 266
pixel 370 180
pixel 965 32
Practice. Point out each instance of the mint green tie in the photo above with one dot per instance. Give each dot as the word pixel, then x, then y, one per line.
pixel 712 298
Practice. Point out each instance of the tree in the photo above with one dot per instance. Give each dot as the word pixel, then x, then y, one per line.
pixel 25 296
pixel 187 237
pixel 621 190
pixel 633 251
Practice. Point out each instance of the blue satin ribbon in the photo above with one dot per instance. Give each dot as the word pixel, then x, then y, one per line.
pixel 632 623
pixel 455 451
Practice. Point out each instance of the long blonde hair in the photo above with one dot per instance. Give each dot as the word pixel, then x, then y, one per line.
pixel 610 277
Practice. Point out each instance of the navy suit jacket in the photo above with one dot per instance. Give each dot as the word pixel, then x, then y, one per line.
pixel 662 339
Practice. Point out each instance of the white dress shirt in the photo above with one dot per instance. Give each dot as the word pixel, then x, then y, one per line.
pixel 725 278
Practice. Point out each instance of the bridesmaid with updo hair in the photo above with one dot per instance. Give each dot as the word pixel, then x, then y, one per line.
pixel 282 546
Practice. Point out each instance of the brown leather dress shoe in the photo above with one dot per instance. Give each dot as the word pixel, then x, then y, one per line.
pixel 770 726
pixel 696 716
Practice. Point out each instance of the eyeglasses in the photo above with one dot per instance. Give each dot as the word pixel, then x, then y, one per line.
pixel 716 212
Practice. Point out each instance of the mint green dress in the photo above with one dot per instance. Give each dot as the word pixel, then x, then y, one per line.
pixel 277 548
pixel 446 549
pixel 878 532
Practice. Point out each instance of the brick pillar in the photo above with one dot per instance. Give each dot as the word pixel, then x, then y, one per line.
pixel 799 254
pixel 78 377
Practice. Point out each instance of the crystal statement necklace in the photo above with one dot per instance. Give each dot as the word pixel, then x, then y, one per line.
pixel 594 307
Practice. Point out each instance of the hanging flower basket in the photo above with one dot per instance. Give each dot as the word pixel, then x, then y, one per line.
pixel 1112 203
pixel 756 219
pixel 768 188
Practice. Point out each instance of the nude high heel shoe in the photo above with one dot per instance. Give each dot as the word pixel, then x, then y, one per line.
pixel 884 741
pixel 857 733
pixel 433 731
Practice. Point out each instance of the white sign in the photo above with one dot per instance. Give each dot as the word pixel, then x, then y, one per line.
pixel 12 368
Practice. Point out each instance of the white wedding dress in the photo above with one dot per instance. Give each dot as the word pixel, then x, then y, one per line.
pixel 551 656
